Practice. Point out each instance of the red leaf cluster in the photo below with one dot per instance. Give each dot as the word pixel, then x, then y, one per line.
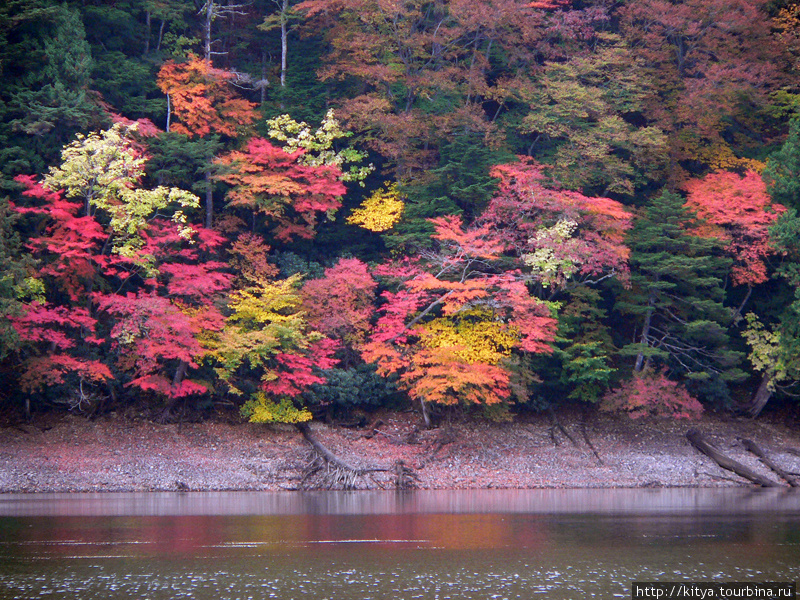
pixel 274 183
pixel 651 393
pixel 341 303
pixel 524 204
pixel 738 210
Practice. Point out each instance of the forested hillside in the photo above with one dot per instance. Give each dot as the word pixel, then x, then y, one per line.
pixel 490 206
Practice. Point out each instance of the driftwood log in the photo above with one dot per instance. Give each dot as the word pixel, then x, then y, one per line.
pixel 751 446
pixel 697 440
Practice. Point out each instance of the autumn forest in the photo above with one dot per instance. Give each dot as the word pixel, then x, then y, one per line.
pixel 301 209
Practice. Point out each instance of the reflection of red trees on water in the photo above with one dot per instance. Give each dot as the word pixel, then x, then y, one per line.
pixel 445 531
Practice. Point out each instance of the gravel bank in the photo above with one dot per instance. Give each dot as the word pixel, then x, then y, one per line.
pixel 112 454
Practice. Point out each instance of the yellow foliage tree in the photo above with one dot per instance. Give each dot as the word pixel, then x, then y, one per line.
pixel 267 335
pixel 381 211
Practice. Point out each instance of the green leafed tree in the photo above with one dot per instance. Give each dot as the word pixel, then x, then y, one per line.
pixel 782 173
pixel 676 296
pixel 582 121
pixel 774 339
pixel 16 283
pixel 45 97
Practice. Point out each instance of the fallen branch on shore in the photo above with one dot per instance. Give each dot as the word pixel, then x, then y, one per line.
pixel 697 440
pixel 556 425
pixel 762 456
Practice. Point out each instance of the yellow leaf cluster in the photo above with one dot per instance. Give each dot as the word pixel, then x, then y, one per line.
pixel 439 375
pixel 267 302
pixel 474 337
pixel 266 319
pixel 381 211
pixel 262 410
pixel 718 156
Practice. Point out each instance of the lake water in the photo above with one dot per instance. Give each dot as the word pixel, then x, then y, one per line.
pixel 487 544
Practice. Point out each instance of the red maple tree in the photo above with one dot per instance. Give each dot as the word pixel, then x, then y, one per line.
pixel 737 209
pixel 153 330
pixel 526 207
pixel 340 304
pixel 275 183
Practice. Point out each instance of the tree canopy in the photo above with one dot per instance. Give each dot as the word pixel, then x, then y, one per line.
pixel 485 206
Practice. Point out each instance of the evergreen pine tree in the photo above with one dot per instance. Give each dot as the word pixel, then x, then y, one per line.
pixel 46 71
pixel 676 296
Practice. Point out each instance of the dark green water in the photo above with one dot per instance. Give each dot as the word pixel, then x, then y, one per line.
pixel 358 546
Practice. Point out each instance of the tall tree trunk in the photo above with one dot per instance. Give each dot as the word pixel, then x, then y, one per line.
pixel 640 362
pixel 160 35
pixel 180 373
pixel 284 41
pixel 147 33
pixel 737 315
pixel 209 201
pixel 426 416
pixel 209 17
pixel 263 75
pixel 762 395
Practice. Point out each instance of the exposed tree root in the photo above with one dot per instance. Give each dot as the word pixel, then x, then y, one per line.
pixel 404 477
pixel 557 426
pixel 702 445
pixel 751 446
pixel 585 432
pixel 336 473
pixel 446 436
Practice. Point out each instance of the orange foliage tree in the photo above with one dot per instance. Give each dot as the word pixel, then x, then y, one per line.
pixel 204 103
pixel 456 318
pixel 202 99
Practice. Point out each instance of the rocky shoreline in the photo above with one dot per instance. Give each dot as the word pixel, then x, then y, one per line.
pixel 72 454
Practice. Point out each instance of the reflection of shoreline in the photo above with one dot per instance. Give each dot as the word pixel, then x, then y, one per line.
pixel 666 501
pixel 405 555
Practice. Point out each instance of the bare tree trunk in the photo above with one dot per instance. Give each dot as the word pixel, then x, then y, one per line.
pixel 180 373
pixel 209 201
pixel 169 113
pixel 284 41
pixel 426 416
pixel 637 368
pixel 762 395
pixel 209 17
pixel 751 446
pixel 147 33
pixel 737 315
pixel 263 75
pixel 160 35
pixel 699 442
